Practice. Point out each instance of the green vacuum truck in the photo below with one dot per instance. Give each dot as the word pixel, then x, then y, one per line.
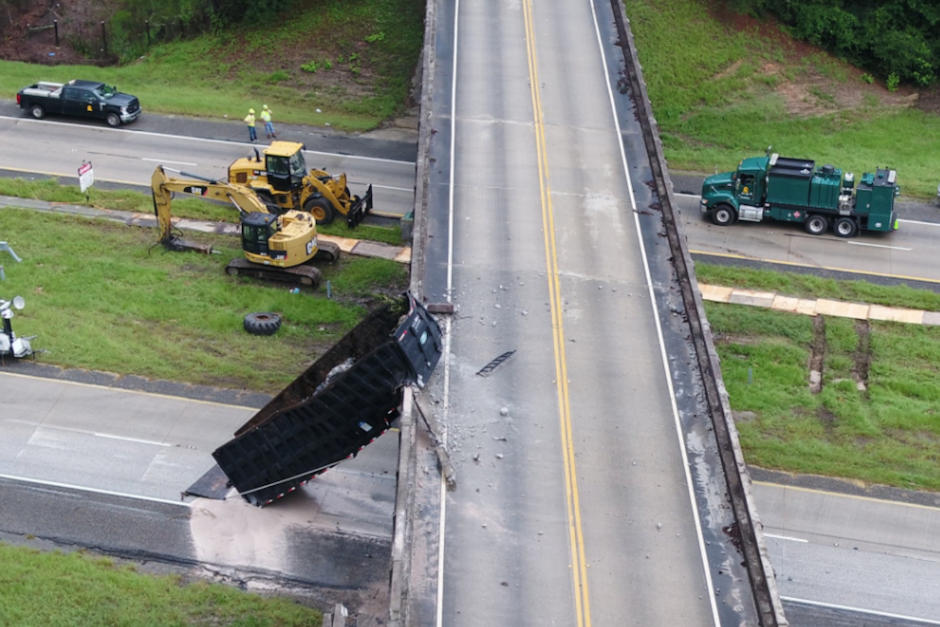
pixel 795 190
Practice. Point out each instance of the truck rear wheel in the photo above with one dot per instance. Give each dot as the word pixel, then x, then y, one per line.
pixel 37 111
pixel 816 224
pixel 723 215
pixel 321 209
pixel 845 227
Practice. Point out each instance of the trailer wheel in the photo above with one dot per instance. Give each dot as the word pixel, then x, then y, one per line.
pixel 321 209
pixel 723 215
pixel 262 323
pixel 845 227
pixel 37 111
pixel 816 224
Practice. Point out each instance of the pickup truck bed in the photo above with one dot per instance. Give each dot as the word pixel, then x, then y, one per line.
pixel 88 99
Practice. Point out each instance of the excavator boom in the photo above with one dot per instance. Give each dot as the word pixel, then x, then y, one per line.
pixel 275 246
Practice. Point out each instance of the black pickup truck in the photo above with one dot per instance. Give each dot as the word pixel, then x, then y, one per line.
pixel 88 99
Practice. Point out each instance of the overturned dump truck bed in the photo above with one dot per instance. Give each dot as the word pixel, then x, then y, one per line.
pixel 341 403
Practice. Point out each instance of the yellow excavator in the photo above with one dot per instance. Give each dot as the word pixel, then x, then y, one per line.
pixel 283 180
pixel 277 245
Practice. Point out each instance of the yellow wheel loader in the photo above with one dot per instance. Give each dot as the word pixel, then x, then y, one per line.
pixel 283 180
pixel 277 245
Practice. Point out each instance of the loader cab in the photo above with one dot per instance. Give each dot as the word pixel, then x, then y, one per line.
pixel 285 166
pixel 257 229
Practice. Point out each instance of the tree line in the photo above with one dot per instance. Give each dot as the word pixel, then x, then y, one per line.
pixel 898 40
pixel 130 26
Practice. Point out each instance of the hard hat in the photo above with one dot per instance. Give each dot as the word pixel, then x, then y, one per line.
pixel 251 110
pixel 265 107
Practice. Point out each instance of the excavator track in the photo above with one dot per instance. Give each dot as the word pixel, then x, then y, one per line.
pixel 303 275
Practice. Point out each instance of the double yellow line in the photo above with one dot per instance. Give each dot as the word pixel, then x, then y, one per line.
pixel 575 535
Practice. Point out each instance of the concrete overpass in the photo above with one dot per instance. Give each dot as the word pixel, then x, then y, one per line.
pixel 595 476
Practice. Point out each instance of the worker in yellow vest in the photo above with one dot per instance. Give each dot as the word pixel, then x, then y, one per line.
pixel 250 121
pixel 268 125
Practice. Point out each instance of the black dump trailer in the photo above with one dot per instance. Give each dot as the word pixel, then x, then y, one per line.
pixel 341 403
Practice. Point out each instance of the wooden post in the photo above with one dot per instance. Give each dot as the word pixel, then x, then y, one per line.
pixel 104 40
pixel 55 25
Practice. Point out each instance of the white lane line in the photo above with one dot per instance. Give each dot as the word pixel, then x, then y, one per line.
pixel 857 243
pixel 861 610
pixel 918 222
pixel 97 434
pixel 69 486
pixel 664 357
pixel 448 294
pixel 788 538
pixel 182 399
pixel 407 190
pixel 870 245
pixel 168 161
pixel 104 129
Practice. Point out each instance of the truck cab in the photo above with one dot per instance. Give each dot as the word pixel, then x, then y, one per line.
pixel 728 195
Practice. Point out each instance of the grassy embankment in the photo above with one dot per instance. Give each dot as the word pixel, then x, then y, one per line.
pixel 884 432
pixel 76 589
pixel 359 58
pixel 103 296
pixel 721 93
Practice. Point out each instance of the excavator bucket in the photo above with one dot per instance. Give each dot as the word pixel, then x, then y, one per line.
pixel 341 403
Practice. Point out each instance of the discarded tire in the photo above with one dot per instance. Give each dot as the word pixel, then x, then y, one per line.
pixel 262 323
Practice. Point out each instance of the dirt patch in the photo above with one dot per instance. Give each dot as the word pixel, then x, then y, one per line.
pixel 862 356
pixel 28 35
pixel 826 418
pixel 808 91
pixel 817 355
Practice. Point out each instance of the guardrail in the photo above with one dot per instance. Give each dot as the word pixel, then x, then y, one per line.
pixel 763 585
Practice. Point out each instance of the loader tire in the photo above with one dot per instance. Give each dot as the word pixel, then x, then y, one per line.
pixel 321 210
pixel 262 323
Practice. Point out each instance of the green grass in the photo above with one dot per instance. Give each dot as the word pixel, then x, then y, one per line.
pixel 222 75
pixel 55 588
pixel 888 433
pixel 809 286
pixel 713 94
pixel 103 296
pixel 141 202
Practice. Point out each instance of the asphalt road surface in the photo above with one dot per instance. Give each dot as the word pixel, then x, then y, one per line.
pixel 911 252
pixel 96 465
pixel 574 504
pixel 128 155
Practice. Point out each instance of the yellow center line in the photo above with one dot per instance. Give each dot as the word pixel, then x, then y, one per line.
pixel 575 535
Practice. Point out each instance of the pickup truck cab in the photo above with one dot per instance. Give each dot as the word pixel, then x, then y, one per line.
pixel 89 99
